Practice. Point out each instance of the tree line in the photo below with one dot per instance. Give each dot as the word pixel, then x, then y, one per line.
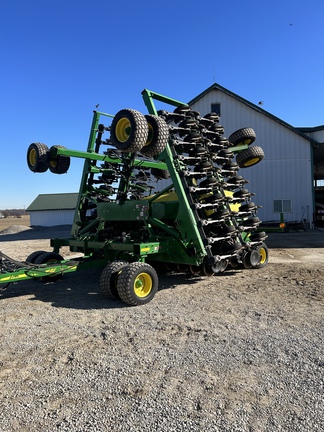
pixel 12 212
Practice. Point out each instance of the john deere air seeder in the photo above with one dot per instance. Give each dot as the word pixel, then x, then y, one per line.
pixel 157 188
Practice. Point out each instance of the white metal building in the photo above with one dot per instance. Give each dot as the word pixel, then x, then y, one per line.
pixel 52 209
pixel 284 180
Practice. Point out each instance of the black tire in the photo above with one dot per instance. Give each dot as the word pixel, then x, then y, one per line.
pixel 129 130
pixel 237 180
pixel 234 262
pixel 160 173
pixel 37 157
pixel 58 164
pixel 250 206
pixel 49 258
pixel 249 157
pixel 241 193
pixel 198 151
pixel 228 229
pixel 212 116
pixel 33 256
pixel 182 109
pixel 207 269
pixel 219 129
pixel 215 197
pixel 225 154
pixel 220 213
pixel 195 270
pixel 264 253
pixel 246 260
pixel 204 165
pixel 231 248
pixel 137 284
pixel 220 266
pixel 182 268
pixel 209 182
pixel 244 136
pixel 230 166
pixel 158 136
pixel 258 236
pixel 193 137
pixel 193 114
pixel 109 276
pixel 253 221
pixel 188 123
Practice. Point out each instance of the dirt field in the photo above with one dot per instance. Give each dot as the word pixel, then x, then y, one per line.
pixel 8 222
pixel 241 351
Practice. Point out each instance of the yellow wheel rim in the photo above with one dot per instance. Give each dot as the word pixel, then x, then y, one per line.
pixel 123 129
pixel 53 163
pixel 263 254
pixel 32 157
pixel 252 162
pixel 247 141
pixel 143 285
pixel 150 135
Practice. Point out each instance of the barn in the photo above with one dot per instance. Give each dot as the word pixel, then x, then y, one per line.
pixel 53 209
pixel 285 181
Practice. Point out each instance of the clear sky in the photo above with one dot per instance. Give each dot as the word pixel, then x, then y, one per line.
pixel 61 58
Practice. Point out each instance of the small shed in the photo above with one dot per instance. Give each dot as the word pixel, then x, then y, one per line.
pixel 53 209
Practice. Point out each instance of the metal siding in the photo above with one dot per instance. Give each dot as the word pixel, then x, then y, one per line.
pixel 286 171
pixel 51 218
pixel 317 135
pixel 271 180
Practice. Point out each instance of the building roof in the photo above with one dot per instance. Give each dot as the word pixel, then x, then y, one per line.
pixel 57 201
pixel 311 129
pixel 218 87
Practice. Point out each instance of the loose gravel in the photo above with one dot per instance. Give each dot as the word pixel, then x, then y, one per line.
pixel 241 351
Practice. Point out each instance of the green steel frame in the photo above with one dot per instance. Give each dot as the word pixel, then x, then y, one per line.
pixel 173 246
pixel 183 244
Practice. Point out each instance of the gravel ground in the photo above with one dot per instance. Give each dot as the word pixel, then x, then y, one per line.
pixel 241 351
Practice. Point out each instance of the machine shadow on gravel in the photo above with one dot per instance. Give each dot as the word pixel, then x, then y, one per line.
pixel 67 292
pixel 70 293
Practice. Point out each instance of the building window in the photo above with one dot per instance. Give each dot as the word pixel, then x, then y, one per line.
pixel 282 206
pixel 216 108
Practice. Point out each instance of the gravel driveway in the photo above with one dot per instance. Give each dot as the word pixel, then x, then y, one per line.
pixel 241 351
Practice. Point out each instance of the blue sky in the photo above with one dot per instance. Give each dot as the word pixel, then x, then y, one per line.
pixel 61 58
